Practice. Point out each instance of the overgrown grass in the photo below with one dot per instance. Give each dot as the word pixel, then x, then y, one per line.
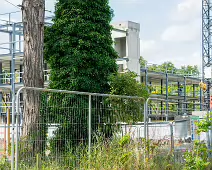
pixel 117 154
pixel 126 154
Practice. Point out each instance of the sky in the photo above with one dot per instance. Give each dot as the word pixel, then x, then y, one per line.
pixel 170 29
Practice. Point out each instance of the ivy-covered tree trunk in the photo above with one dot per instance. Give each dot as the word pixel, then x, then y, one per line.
pixel 78 49
pixel 33 22
pixel 78 46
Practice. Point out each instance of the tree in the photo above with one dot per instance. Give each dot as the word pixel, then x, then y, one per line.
pixel 190 70
pixel 143 62
pixel 168 67
pixel 78 46
pixel 78 49
pixel 164 67
pixel 33 23
pixel 153 67
pixel 126 84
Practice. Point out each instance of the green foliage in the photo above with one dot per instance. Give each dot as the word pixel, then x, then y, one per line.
pixel 111 155
pixel 164 67
pixel 125 158
pixel 205 124
pixel 70 116
pixel 143 62
pixel 190 70
pixel 169 67
pixel 4 164
pixel 78 46
pixel 131 110
pixel 118 153
pixel 197 159
pixel 124 140
pixel 78 49
pixel 126 84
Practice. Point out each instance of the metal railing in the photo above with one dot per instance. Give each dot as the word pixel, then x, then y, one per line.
pixel 6 78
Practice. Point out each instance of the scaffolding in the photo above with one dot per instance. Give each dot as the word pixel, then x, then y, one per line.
pixel 11 57
pixel 11 71
pixel 206 46
pixel 181 94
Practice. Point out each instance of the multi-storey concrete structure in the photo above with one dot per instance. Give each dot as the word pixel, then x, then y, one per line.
pixel 127 44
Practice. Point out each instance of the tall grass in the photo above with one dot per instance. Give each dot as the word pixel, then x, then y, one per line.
pixel 116 154
pixel 126 154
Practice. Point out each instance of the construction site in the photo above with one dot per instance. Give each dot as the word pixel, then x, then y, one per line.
pixel 183 99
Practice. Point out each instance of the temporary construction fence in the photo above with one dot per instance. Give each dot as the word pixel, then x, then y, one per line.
pixel 183 132
pixel 62 120
pixel 5 131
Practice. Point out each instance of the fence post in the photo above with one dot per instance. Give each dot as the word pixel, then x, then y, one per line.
pixel 146 131
pixel 17 125
pixel 145 112
pixel 13 50
pixel 89 125
pixel 172 137
pixel 145 117
pixel 8 132
pixel 5 137
pixel 17 133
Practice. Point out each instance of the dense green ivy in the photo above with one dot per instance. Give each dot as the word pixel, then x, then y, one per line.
pixel 78 49
pixel 78 46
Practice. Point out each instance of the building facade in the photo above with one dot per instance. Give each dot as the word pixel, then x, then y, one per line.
pixel 127 44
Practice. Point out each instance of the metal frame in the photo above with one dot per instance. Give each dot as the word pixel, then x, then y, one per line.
pixel 206 45
pixel 163 80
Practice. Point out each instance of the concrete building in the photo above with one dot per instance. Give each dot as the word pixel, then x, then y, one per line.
pixel 127 44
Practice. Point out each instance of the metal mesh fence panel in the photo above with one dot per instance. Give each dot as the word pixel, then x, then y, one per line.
pixel 65 122
pixel 5 132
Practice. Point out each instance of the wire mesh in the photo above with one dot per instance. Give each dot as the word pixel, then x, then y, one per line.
pixel 55 125
pixel 59 127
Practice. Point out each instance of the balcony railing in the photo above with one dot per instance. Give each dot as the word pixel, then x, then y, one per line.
pixel 6 78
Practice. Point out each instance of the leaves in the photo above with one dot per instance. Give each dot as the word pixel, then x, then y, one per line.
pixel 143 62
pixel 126 84
pixel 78 46
pixel 197 159
pixel 169 67
pixel 205 124
pixel 130 110
pixel 78 49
